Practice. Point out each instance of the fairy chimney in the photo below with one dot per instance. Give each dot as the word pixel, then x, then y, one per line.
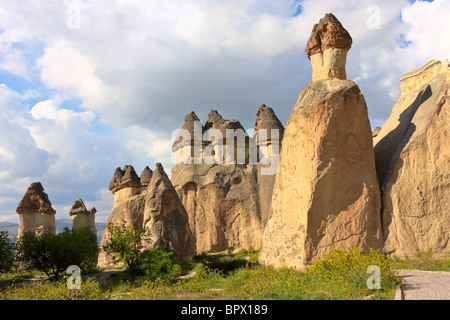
pixel 327 49
pixel 81 217
pixel 189 142
pixel 268 131
pixel 35 211
pixel 124 184
pixel 229 140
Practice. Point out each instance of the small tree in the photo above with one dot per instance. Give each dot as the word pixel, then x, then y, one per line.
pixel 6 252
pixel 53 254
pixel 126 245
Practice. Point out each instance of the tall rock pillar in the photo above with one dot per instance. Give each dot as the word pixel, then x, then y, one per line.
pixel 326 194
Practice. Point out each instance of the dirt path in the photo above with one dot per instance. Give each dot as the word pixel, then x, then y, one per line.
pixel 425 285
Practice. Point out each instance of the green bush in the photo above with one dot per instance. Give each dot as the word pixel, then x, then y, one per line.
pixel 161 263
pixel 54 253
pixel 6 252
pixel 125 245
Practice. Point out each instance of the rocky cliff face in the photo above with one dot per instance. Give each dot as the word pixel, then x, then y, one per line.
pixel 227 205
pixel 35 211
pixel 326 193
pixel 412 153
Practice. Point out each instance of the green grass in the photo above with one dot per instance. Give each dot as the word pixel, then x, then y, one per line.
pixel 423 261
pixel 341 275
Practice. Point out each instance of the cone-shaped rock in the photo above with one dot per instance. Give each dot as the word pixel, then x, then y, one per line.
pixel 191 125
pixel 146 176
pixel 114 184
pixel 130 178
pixel 326 193
pixel 412 153
pixel 267 120
pixel 166 217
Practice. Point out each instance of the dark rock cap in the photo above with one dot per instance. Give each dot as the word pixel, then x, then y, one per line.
pixel 35 199
pixel 266 119
pixel 216 121
pixel 146 176
pixel 78 207
pixel 328 33
pixel 188 125
pixel 130 178
pixel 125 178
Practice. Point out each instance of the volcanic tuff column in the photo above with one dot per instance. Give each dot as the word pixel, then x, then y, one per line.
pixel 35 211
pixel 326 193
pixel 412 153
pixel 81 217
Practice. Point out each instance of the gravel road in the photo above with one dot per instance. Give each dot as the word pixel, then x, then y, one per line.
pixel 425 285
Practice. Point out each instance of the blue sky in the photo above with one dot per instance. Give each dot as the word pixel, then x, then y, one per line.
pixel 88 86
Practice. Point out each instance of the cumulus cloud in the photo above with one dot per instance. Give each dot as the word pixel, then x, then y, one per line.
pixel 136 68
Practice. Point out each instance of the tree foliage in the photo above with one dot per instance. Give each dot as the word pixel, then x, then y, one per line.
pixel 53 254
pixel 6 252
pixel 126 245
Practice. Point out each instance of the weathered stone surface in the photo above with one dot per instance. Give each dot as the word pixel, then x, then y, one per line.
pixel 326 193
pixel 35 211
pixel 375 132
pixel 146 176
pixel 126 183
pixel 266 119
pixel 165 216
pixel 81 217
pixel 160 210
pixel 412 153
pixel 327 49
pixel 128 213
pixel 227 205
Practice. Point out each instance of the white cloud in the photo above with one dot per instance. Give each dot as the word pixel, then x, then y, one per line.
pixel 137 67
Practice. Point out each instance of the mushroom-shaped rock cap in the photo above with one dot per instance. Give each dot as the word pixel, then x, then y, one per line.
pixel 215 120
pixel 328 33
pixel 35 199
pixel 146 176
pixel 114 184
pixel 78 207
pixel 191 122
pixel 130 178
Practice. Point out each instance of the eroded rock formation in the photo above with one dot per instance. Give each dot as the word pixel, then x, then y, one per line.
pixel 326 193
pixel 166 217
pixel 35 211
pixel 81 217
pixel 412 153
pixel 155 206
pixel 228 203
pixel 327 49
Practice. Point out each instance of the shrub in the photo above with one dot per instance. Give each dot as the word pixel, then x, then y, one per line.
pixel 125 245
pixel 6 252
pixel 53 254
pixel 161 263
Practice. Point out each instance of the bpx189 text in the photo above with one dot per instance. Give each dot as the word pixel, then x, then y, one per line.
pixel 245 309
